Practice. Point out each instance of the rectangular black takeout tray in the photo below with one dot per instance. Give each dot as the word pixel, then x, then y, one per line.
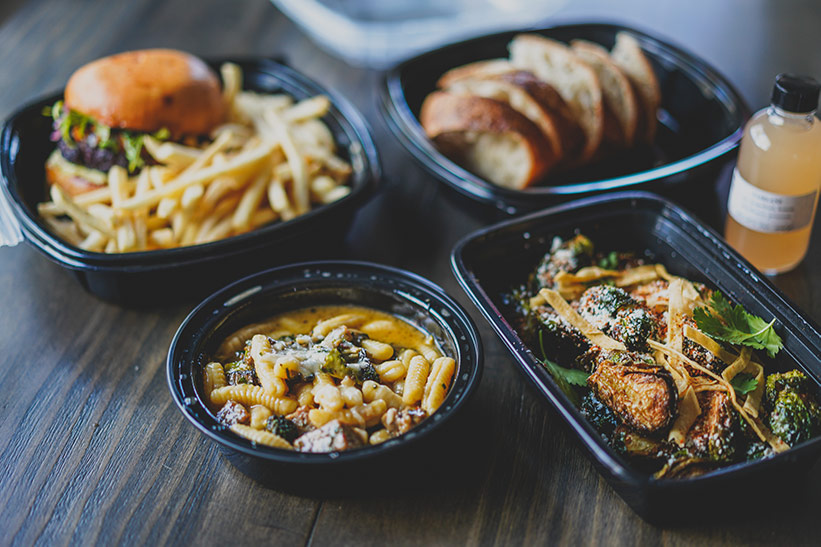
pixel 701 121
pixel 491 261
pixel 162 276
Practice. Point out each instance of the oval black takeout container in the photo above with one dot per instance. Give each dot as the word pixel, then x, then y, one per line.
pixel 152 277
pixel 642 222
pixel 701 120
pixel 426 447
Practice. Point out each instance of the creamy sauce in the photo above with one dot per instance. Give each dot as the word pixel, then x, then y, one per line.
pixel 378 325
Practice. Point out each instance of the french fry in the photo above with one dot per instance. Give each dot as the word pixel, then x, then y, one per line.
pixel 170 153
pixel 315 107
pixel 277 197
pixel 231 82
pixel 95 241
pixel 78 214
pixel 191 196
pixel 66 229
pixel 249 202
pixel 295 160
pixel 220 230
pixel 244 161
pixel 166 207
pixel 163 237
pixel 126 238
pixel 261 217
pixel 218 188
pixel 117 178
pixel 337 193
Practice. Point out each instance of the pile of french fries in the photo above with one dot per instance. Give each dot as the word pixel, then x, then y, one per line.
pixel 274 159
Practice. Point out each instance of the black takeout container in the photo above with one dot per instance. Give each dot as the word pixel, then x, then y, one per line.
pixel 425 448
pixel 154 277
pixel 644 223
pixel 701 120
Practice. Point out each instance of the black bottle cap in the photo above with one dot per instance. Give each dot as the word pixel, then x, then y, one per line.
pixel 795 93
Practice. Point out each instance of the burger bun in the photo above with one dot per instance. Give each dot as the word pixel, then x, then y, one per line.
pixel 148 90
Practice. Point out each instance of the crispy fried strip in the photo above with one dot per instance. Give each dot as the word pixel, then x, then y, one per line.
pixel 593 334
pixel 688 412
pixel 639 274
pixel 709 344
pixel 760 429
pixel 738 364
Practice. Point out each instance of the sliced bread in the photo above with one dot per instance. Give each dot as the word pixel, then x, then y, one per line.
pixel 628 55
pixel 620 103
pixel 577 83
pixel 487 137
pixel 534 99
pixel 478 69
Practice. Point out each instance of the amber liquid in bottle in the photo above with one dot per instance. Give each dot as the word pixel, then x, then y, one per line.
pixel 780 154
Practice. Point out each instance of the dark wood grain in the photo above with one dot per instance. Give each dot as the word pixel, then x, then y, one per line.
pixel 92 449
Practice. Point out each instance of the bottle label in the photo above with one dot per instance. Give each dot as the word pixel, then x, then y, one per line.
pixel 767 212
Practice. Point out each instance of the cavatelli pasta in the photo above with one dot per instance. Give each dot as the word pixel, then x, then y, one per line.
pixel 261 436
pixel 248 395
pixel 289 378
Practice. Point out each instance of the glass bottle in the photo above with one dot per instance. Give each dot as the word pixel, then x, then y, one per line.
pixel 775 186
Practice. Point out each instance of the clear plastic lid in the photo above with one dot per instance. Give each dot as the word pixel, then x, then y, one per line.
pixel 380 33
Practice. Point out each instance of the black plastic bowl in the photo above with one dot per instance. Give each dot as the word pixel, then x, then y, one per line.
pixel 700 121
pixel 325 283
pixel 146 278
pixel 642 222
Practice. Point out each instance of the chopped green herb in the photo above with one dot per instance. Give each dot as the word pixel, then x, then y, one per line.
pixel 133 149
pixel 71 123
pixel 734 325
pixel 610 262
pixel 104 140
pixel 565 377
pixel 744 383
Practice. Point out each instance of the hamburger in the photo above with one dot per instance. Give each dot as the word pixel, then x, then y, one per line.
pixel 111 105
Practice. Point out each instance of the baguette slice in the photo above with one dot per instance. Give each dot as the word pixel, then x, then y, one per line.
pixel 620 103
pixel 487 137
pixel 628 55
pixel 577 83
pixel 535 100
pixel 478 69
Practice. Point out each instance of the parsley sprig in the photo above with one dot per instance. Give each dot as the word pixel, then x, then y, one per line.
pixel 564 377
pixel 744 383
pixel 734 325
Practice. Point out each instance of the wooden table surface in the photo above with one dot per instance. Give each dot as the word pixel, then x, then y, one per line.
pixel 92 448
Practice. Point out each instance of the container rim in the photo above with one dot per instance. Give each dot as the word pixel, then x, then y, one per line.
pixel 709 242
pixel 366 177
pixel 238 294
pixel 406 127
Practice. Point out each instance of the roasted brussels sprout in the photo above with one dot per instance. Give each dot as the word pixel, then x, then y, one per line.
pixel 564 256
pixel 643 396
pixel 619 315
pixel 793 412
pixel 713 435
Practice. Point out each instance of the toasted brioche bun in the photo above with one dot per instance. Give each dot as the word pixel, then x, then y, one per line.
pixel 532 98
pixel 628 55
pixel 577 83
pixel 148 90
pixel 488 137
pixel 621 105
